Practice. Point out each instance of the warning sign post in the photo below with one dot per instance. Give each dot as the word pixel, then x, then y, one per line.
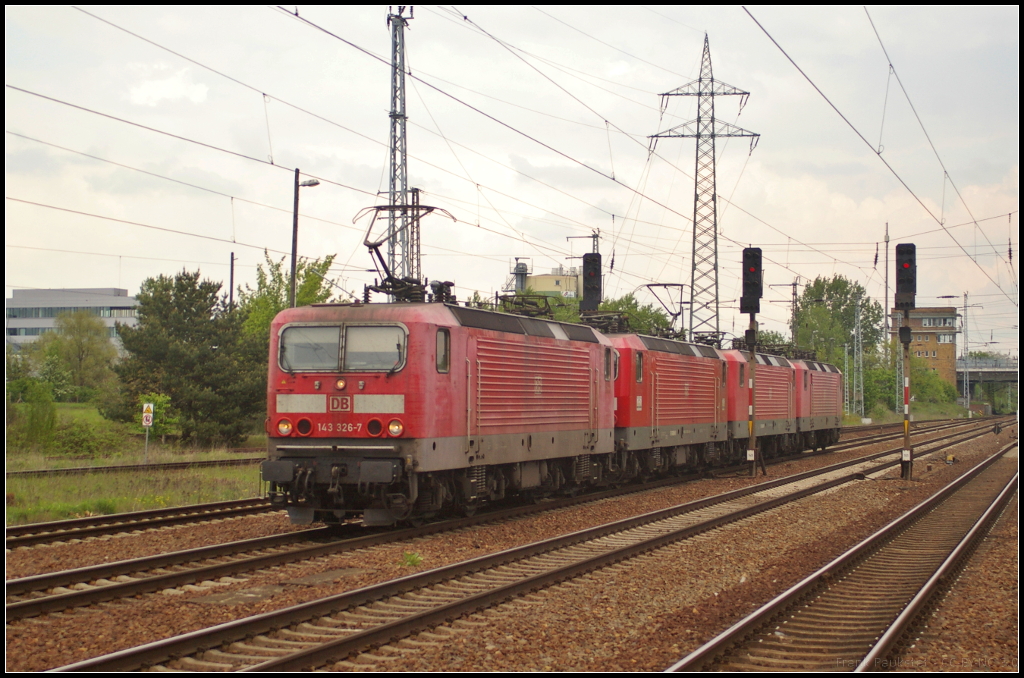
pixel 147 422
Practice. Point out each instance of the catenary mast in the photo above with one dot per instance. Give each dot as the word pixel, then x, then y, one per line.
pixel 403 243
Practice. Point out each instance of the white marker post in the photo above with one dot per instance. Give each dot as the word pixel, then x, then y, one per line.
pixel 147 423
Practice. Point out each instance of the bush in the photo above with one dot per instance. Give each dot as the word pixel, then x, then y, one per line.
pixel 32 423
pixel 75 438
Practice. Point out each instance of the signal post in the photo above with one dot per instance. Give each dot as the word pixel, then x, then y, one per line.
pixel 750 302
pixel 906 291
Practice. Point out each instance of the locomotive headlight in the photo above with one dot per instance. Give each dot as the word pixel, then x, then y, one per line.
pixel 284 427
pixel 340 384
pixel 395 428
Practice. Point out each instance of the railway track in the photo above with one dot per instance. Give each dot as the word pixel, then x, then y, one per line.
pixel 81 528
pixel 852 613
pixel 32 596
pixel 311 634
pixel 93 526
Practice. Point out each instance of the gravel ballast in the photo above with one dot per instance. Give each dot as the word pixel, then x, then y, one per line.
pixel 644 620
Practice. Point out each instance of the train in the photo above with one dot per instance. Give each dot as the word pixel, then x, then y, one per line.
pixel 398 412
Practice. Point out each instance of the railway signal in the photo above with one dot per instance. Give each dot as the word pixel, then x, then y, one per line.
pixel 750 302
pixel 906 276
pixel 906 291
pixel 753 281
pixel 591 282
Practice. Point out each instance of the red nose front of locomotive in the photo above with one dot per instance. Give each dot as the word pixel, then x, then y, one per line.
pixel 353 372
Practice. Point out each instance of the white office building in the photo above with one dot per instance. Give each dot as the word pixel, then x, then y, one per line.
pixel 32 313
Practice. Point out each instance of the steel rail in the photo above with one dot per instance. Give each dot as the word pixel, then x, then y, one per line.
pixel 941 579
pixel 159 651
pixel 708 653
pixel 148 583
pixel 77 528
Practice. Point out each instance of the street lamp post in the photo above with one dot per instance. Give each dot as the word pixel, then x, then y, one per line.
pixel 295 232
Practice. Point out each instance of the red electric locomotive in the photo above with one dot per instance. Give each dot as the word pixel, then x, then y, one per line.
pixel 399 411
pixel 681 404
pixel 671 403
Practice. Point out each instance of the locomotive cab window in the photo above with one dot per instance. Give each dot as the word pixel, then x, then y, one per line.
pixel 639 367
pixel 444 342
pixel 374 348
pixel 310 348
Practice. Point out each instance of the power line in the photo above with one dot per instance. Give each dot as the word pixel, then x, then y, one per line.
pixel 315 115
pixel 186 139
pixel 142 225
pixel 926 135
pixel 617 49
pixel 183 183
pixel 510 47
pixel 319 117
pixel 868 144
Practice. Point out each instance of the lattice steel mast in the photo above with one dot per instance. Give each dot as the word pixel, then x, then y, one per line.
pixel 403 236
pixel 704 272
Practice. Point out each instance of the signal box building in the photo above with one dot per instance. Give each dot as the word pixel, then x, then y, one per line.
pixel 933 338
pixel 32 313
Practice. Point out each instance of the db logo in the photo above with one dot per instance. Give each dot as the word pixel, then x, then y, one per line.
pixel 341 403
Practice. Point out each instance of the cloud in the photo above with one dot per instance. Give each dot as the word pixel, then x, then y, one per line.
pixel 174 87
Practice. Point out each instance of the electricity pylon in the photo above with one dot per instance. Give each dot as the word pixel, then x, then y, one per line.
pixel 704 271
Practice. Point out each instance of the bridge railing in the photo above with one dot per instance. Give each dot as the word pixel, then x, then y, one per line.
pixel 987 364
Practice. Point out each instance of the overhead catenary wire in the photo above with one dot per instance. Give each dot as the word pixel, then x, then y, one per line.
pixel 263 94
pixel 927 136
pixel 868 143
pixel 500 206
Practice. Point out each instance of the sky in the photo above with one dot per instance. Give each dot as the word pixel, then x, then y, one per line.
pixel 142 141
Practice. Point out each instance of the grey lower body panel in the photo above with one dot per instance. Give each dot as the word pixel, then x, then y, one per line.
pixel 426 455
pixel 647 437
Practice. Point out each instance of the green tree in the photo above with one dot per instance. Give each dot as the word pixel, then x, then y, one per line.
pixel 191 347
pixel 646 319
pixel 927 386
pixel 16 376
pixel 54 374
pixel 273 284
pixel 34 425
pixel 772 338
pixel 81 346
pixel 827 316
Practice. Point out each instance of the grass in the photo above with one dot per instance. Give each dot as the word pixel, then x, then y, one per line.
pixel 81 412
pixel 411 559
pixel 133 454
pixel 918 411
pixel 41 499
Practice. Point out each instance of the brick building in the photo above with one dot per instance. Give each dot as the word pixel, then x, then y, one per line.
pixel 933 337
